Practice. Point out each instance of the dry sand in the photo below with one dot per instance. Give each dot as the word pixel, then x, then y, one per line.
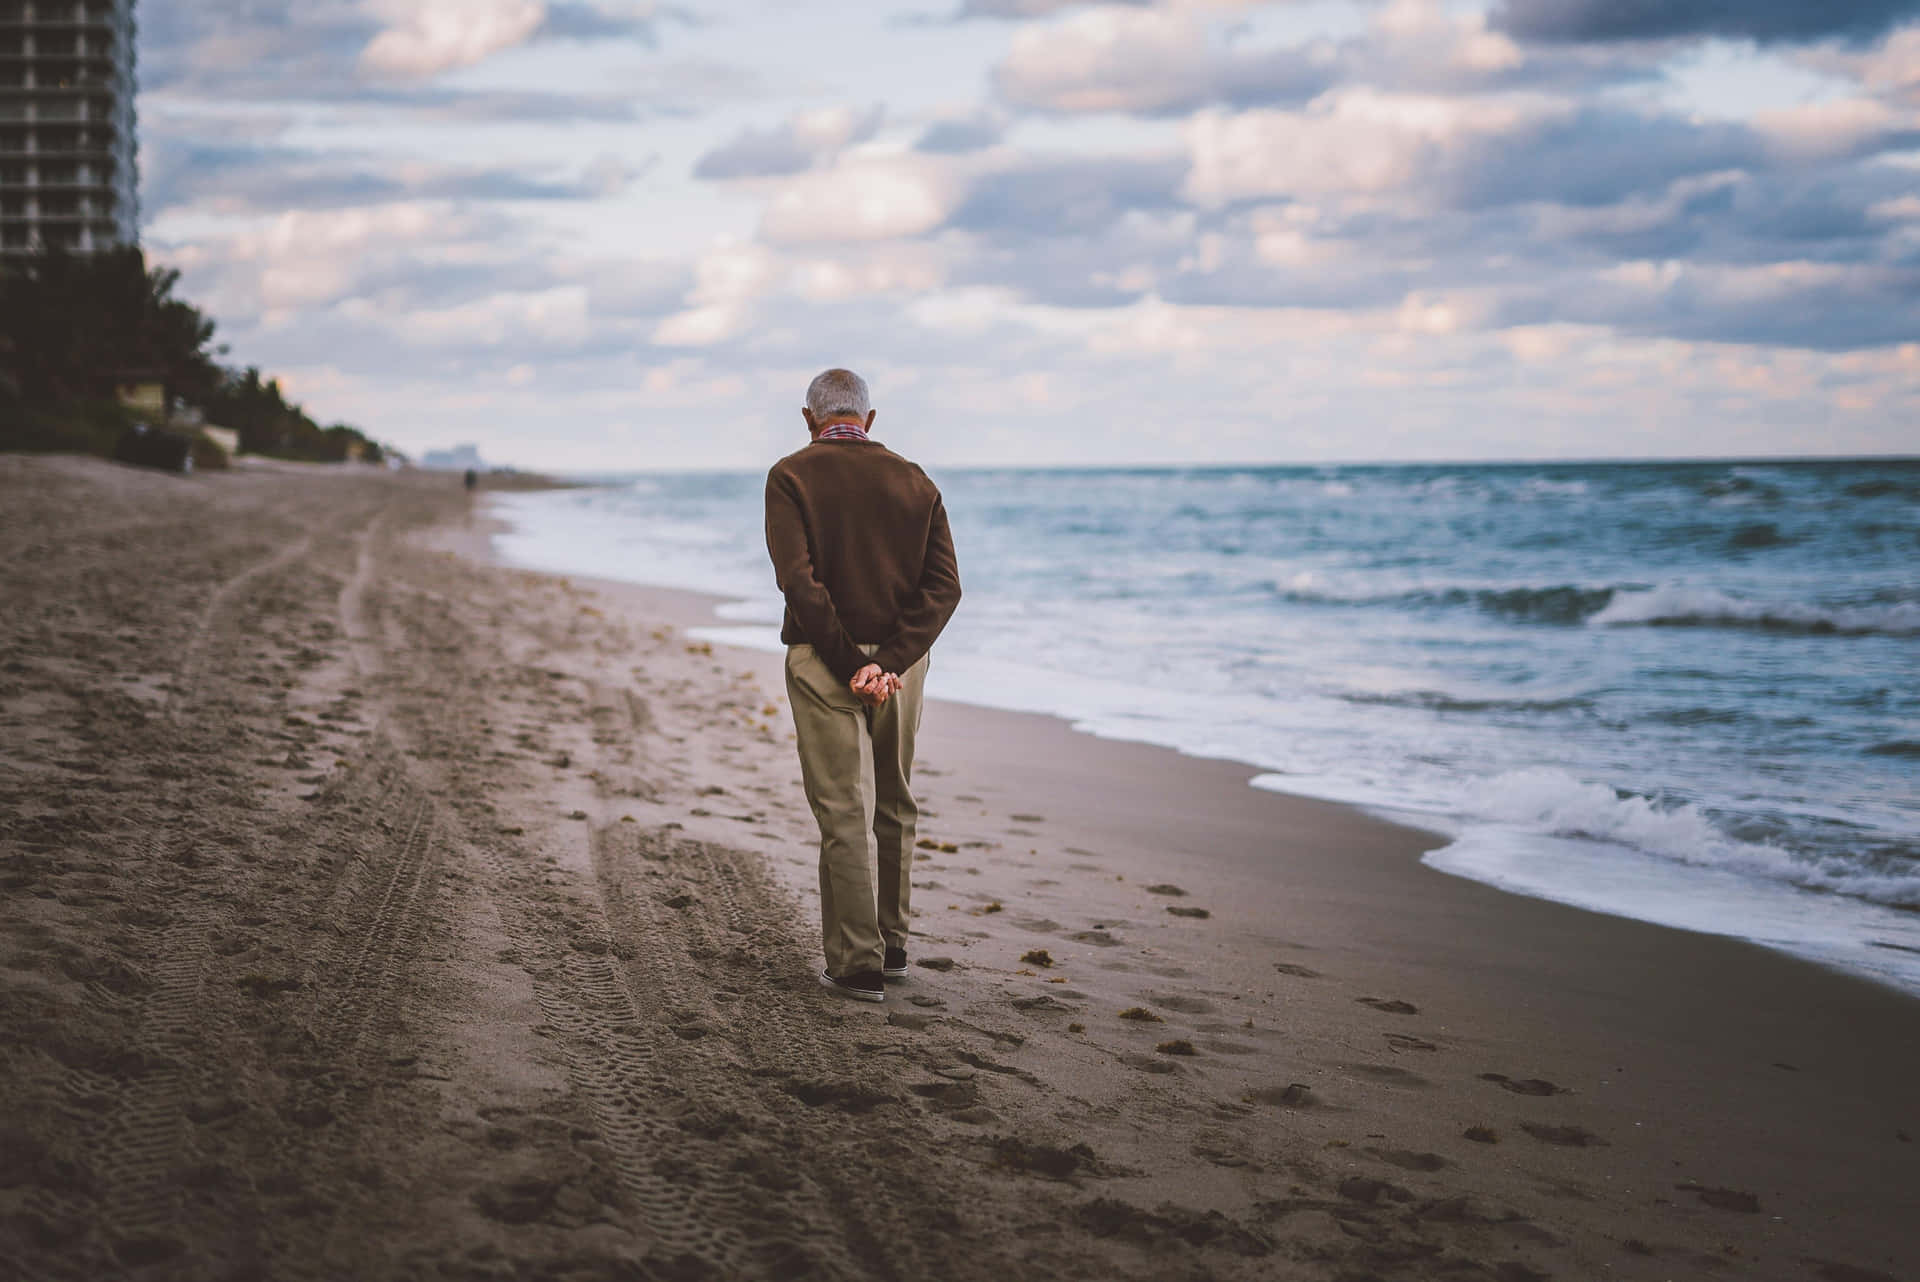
pixel 374 912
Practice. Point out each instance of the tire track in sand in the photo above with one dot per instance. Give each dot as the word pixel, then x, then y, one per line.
pixel 660 1133
pixel 704 922
pixel 141 1137
pixel 558 934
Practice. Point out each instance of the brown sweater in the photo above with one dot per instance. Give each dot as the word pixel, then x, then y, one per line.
pixel 862 552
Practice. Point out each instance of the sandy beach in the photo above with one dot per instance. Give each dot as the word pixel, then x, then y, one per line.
pixel 375 911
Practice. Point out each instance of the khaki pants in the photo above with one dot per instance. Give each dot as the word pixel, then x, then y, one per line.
pixel 857 763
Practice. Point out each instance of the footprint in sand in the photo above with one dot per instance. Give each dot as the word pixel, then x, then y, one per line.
pixel 1361 1188
pixel 1298 972
pixel 1386 1073
pixel 1563 1136
pixel 1515 1271
pixel 1149 1063
pixel 1837 1271
pixel 1179 911
pixel 1042 1002
pixel 1400 1044
pixel 1292 1095
pixel 1408 1160
pixel 1028 819
pixel 846 1097
pixel 1185 1005
pixel 1031 1158
pixel 1389 1006
pixel 947 1097
pixel 1525 1086
pixel 1165 888
pixel 1723 1199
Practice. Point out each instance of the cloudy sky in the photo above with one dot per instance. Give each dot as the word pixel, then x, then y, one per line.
pixel 616 234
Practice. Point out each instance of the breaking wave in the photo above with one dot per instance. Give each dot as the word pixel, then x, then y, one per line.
pixel 1706 607
pixel 1670 606
pixel 1556 803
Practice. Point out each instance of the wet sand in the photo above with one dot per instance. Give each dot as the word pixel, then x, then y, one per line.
pixel 373 911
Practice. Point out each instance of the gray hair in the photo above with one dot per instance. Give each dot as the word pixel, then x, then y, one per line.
pixel 838 393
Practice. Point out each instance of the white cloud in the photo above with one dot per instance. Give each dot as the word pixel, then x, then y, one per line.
pixel 701 326
pixel 1180 56
pixel 546 318
pixel 806 139
pixel 1637 214
pixel 862 199
pixel 1462 42
pixel 1355 142
pixel 1107 60
pixel 426 37
pixel 1898 209
pixel 306 257
pixel 974 310
pixel 828 129
pixel 686 383
pixel 727 280
pixel 1544 344
pixel 1837 127
pixel 1535 236
pixel 1891 68
pixel 1286 237
pixel 1150 61
pixel 898 269
pixel 1423 313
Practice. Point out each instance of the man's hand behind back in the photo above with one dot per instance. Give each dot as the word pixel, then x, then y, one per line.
pixel 873 685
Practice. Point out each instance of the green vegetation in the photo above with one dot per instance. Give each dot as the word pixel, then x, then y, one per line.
pixel 269 424
pixel 75 328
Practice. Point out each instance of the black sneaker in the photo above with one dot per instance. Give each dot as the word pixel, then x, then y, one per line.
pixel 896 963
pixel 865 986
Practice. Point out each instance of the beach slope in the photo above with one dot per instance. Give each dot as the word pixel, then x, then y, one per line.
pixel 372 911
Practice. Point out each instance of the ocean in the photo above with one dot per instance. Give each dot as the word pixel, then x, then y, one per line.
pixel 1687 693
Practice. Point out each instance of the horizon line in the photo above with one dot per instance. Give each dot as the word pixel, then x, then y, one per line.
pixel 1620 461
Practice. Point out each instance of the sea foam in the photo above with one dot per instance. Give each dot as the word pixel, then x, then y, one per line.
pixel 1608 689
pixel 1678 605
pixel 1554 803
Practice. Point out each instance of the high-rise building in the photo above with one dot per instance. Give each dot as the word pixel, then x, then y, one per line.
pixel 68 174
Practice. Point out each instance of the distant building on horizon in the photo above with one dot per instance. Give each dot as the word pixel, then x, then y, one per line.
pixel 457 459
pixel 69 170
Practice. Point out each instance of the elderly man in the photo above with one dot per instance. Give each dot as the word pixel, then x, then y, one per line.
pixel 862 553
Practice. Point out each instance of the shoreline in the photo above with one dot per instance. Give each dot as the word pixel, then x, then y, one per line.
pixel 1656 904
pixel 1549 997
pixel 417 915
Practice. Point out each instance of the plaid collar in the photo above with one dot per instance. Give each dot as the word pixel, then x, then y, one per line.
pixel 842 432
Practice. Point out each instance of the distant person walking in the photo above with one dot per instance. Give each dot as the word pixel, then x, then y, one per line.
pixel 473 480
pixel 862 553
